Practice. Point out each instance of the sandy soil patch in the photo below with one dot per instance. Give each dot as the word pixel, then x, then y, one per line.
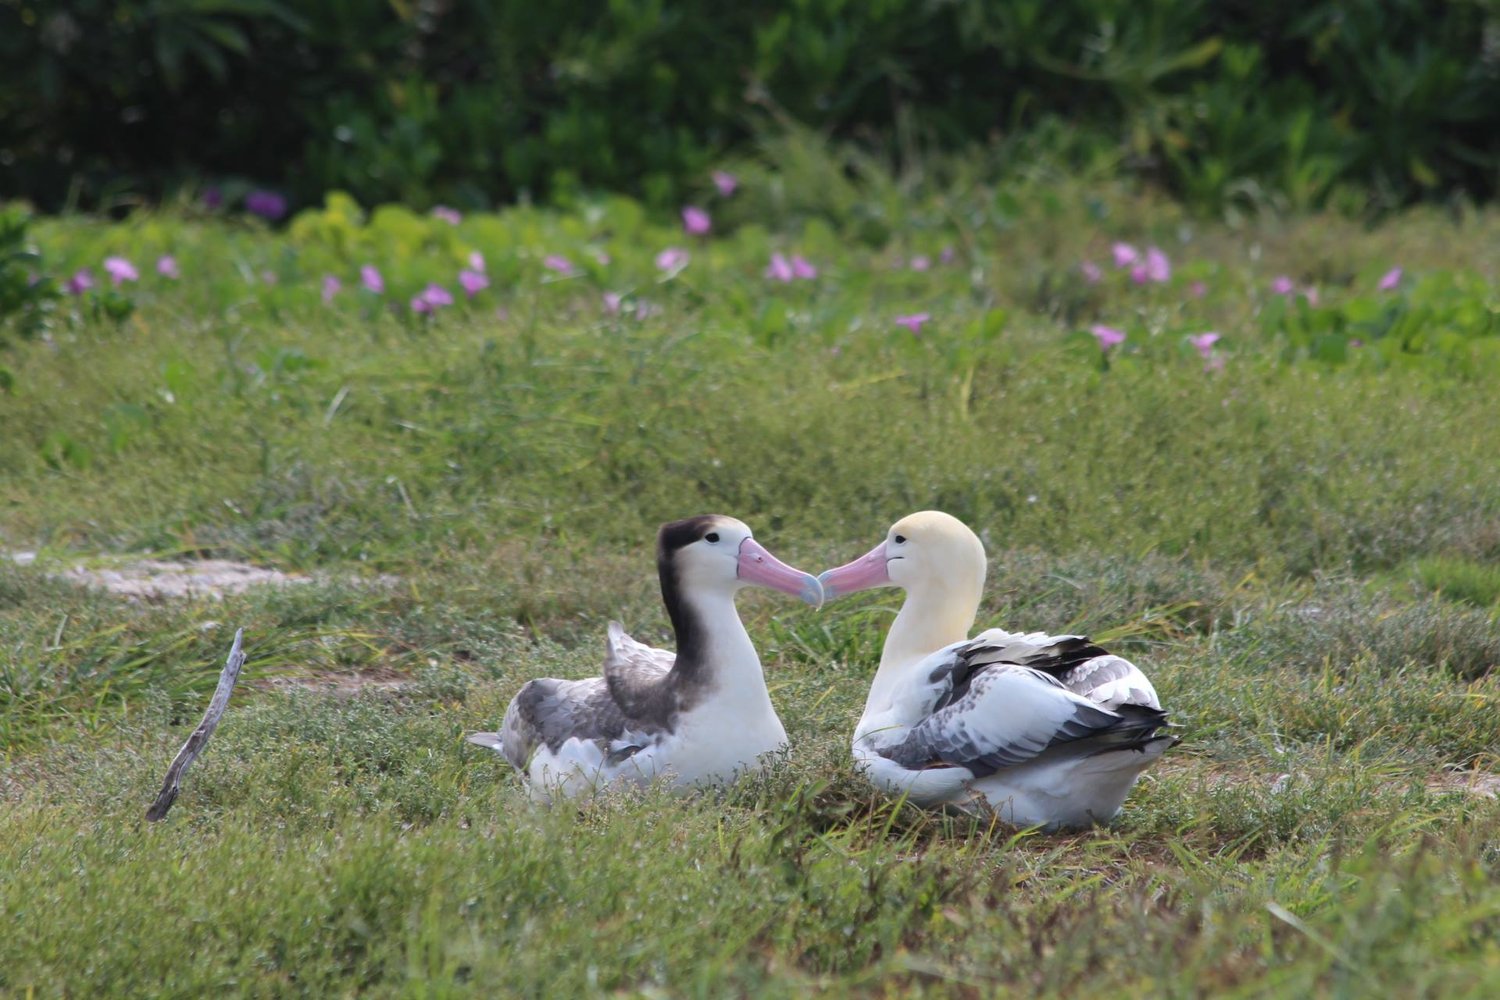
pixel 166 579
pixel 1473 782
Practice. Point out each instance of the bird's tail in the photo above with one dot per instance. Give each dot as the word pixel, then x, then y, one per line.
pixel 491 740
pixel 1141 728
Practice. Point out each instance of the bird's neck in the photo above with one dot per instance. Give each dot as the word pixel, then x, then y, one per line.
pixel 930 618
pixel 714 652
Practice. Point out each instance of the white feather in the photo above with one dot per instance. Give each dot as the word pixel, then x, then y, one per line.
pixel 1046 729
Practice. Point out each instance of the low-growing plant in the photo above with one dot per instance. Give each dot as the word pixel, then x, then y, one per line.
pixel 463 494
pixel 1460 580
pixel 26 291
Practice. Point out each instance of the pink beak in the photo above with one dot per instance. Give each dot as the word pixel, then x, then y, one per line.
pixel 869 570
pixel 760 567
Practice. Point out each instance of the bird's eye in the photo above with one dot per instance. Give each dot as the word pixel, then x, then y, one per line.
pixel 900 539
pixel 712 536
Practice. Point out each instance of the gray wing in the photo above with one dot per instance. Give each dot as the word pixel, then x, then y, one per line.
pixel 549 712
pixel 621 711
pixel 994 715
pixel 636 674
pixel 1083 666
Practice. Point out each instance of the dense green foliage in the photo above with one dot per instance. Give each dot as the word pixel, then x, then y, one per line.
pixel 25 292
pixel 1293 529
pixel 1374 102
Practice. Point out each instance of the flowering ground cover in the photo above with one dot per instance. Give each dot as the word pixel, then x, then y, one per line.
pixel 1259 457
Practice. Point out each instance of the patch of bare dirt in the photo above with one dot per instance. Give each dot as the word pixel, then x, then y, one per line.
pixel 1215 776
pixel 1473 782
pixel 337 685
pixel 156 578
pixel 167 579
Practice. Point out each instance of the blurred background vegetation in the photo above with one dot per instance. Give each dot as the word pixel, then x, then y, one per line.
pixel 1359 104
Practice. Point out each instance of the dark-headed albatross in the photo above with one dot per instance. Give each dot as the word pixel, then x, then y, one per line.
pixel 699 716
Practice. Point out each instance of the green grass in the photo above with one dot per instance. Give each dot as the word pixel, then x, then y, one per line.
pixel 1460 580
pixel 1298 548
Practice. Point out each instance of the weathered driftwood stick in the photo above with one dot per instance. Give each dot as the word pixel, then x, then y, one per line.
pixel 196 742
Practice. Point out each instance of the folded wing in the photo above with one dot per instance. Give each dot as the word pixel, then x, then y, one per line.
pixel 636 675
pixel 1081 665
pixel 618 713
pixel 988 712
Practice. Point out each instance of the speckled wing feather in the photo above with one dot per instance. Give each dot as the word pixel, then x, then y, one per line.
pixel 621 712
pixel 549 712
pixel 1081 665
pixel 987 714
pixel 636 674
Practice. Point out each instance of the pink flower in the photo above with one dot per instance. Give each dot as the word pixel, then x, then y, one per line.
pixel 725 182
pixel 1138 274
pixel 446 214
pixel 914 322
pixel 331 287
pixel 266 204
pixel 612 301
pixel 803 268
pixel 431 299
pixel 1107 336
pixel 780 269
pixel 1283 285
pixel 476 261
pixel 82 281
pixel 557 262
pixel 1090 272
pixel 602 258
pixel 1124 254
pixel 1198 289
pixel 166 266
pixel 1204 343
pixel 1391 279
pixel 695 221
pixel 120 270
pixel 672 260
pixel 1158 267
pixel 473 282
pixel 1311 295
pixel 370 278
pixel 920 263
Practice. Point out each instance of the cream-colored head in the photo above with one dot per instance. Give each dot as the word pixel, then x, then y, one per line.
pixel 928 554
pixel 940 564
pixel 936 552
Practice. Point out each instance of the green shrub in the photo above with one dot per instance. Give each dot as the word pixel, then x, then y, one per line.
pixel 474 101
pixel 25 292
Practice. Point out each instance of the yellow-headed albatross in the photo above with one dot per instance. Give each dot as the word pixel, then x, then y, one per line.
pixel 1048 730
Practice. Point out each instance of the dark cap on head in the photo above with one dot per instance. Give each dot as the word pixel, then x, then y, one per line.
pixel 679 534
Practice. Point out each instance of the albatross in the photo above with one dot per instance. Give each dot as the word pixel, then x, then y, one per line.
pixel 1047 730
pixel 701 715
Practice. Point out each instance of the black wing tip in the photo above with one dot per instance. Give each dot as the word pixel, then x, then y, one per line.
pixel 1139 728
pixel 1142 714
pixel 1068 652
